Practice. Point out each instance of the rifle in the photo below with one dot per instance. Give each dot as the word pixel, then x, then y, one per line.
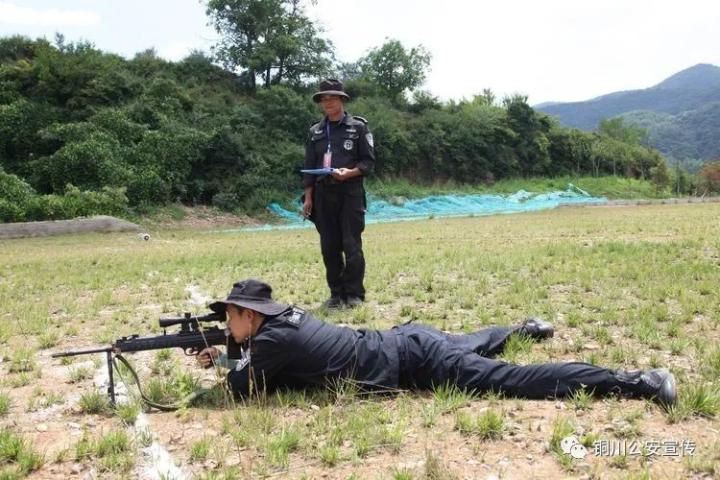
pixel 191 338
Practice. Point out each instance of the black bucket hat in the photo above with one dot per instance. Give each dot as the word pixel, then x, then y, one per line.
pixel 331 86
pixel 252 294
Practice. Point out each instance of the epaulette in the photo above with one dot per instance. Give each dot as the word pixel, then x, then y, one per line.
pixel 363 120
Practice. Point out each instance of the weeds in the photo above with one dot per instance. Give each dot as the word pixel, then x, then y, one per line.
pixel 93 402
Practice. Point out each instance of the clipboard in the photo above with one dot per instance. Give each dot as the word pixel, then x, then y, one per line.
pixel 318 171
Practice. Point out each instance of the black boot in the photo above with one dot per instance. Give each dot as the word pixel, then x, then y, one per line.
pixel 658 384
pixel 536 328
pixel 334 302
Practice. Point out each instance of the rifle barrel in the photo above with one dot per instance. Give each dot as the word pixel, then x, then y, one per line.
pixel 73 353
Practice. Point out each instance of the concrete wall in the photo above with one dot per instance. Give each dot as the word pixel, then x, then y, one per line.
pixel 61 227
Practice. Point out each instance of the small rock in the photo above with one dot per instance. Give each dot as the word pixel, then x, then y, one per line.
pixel 74 426
pixel 77 468
pixel 473 462
pixel 314 407
pixel 42 427
pixel 560 406
pixel 591 346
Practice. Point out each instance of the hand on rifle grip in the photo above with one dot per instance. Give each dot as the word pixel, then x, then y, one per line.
pixel 206 356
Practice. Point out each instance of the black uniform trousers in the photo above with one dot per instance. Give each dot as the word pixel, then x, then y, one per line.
pixel 431 358
pixel 339 215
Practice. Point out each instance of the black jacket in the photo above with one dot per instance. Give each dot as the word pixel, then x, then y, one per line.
pixel 351 144
pixel 296 349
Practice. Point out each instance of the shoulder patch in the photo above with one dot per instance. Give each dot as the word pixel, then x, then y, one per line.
pixel 243 361
pixel 295 316
pixel 363 120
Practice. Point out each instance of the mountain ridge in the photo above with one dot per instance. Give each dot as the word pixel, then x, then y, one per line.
pixel 686 99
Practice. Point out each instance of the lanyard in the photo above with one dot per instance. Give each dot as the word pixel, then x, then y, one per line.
pixel 327 125
pixel 327 128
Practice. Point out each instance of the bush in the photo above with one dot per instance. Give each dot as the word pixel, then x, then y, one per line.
pixel 709 178
pixel 14 197
pixel 76 203
pixel 225 201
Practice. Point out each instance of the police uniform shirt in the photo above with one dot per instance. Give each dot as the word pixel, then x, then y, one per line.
pixel 351 144
pixel 295 349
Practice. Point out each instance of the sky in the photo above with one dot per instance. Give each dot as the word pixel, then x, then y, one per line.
pixel 551 50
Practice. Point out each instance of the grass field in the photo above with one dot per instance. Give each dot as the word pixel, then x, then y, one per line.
pixel 626 287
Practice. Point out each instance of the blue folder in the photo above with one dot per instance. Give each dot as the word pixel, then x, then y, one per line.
pixel 319 171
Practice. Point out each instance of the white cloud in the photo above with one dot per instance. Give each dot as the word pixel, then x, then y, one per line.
pixel 11 14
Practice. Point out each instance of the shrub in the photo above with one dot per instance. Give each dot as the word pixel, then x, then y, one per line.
pixel 14 196
pixel 710 177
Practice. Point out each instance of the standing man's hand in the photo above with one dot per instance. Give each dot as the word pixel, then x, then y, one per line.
pixel 205 358
pixel 308 202
pixel 342 174
pixel 307 207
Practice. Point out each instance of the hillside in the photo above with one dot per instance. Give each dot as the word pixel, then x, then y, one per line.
pixel 681 113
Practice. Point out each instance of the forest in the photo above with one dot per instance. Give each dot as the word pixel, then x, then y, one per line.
pixel 84 131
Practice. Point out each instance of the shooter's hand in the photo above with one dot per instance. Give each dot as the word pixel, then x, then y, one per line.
pixel 206 356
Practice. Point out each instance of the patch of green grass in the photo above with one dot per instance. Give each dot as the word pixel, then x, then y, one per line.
pixel 200 449
pixel 330 455
pixel 48 339
pixel 488 425
pixel 448 397
pixel 562 428
pixel 17 454
pixel 22 360
pixel 401 474
pixel 79 374
pixel 517 348
pixel 280 446
pixel 695 399
pixel 435 468
pixel 429 413
pixel 581 399
pixel 610 186
pixel 93 402
pixel 5 403
pixel 128 412
pixel 115 451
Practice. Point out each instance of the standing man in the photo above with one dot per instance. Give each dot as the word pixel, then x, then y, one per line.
pixel 336 202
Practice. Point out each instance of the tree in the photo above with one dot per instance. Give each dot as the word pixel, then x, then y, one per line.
pixel 531 144
pixel 710 177
pixel 269 39
pixel 396 69
pixel 617 129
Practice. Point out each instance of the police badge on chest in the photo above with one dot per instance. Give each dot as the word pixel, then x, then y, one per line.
pixel 348 144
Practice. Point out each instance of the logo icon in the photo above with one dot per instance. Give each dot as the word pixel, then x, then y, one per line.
pixel 571 446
